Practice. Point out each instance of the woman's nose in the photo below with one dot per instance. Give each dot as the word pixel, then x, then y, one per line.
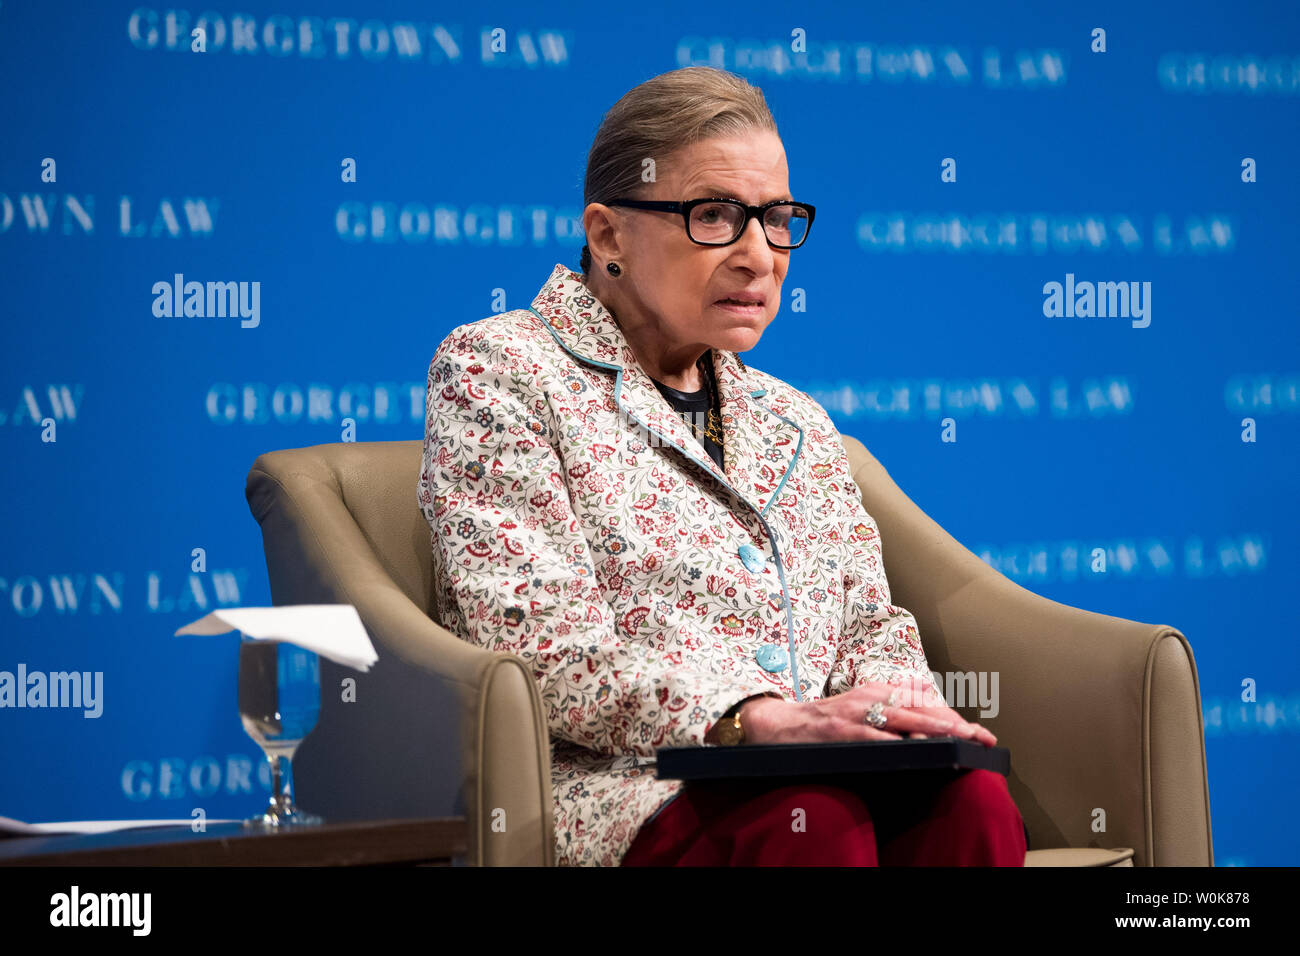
pixel 753 241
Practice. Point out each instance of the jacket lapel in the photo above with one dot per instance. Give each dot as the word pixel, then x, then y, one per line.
pixel 759 447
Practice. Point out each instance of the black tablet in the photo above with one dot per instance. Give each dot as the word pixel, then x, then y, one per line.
pixel 829 759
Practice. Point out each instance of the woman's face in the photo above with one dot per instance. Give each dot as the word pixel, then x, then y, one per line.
pixel 680 286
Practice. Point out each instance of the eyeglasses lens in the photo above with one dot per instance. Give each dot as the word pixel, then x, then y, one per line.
pixel 720 223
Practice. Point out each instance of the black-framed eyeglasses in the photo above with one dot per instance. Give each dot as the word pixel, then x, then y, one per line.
pixel 720 222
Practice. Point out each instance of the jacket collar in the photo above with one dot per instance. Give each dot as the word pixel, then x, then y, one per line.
pixel 760 447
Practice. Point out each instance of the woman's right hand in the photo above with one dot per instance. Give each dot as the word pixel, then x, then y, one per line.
pixel 768 720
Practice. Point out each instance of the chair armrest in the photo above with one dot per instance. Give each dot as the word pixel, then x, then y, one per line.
pixel 431 698
pixel 1100 713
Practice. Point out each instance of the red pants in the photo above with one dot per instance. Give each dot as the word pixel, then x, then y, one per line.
pixel 967 820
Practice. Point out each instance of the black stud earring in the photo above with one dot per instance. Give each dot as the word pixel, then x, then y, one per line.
pixel 613 268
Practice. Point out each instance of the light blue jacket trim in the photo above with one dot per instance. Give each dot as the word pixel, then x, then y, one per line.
pixel 797 449
pixel 780 568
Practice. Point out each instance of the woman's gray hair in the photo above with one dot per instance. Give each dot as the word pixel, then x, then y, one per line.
pixel 660 116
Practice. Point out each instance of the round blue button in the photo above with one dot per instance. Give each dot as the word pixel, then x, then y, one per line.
pixel 772 658
pixel 753 558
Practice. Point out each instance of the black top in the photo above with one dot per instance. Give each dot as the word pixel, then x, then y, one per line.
pixel 694 407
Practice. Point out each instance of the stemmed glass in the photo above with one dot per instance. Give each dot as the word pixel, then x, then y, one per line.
pixel 279 702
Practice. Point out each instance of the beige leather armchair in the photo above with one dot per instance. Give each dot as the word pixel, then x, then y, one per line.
pixel 1102 715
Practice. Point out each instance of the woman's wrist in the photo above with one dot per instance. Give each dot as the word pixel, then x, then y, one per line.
pixel 739 709
pixel 753 714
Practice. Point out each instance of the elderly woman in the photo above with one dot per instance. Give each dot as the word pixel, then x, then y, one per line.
pixel 671 539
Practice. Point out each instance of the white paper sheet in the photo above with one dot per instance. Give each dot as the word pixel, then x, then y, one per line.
pixel 331 630
pixel 17 827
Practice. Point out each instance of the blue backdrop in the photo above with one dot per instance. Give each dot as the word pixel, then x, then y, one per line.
pixel 1165 439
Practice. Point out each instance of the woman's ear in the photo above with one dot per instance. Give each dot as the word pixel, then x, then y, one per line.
pixel 602 231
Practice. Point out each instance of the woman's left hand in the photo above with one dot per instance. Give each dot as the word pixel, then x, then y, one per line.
pixel 922 698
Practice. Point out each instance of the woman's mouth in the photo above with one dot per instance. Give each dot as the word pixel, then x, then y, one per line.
pixel 749 307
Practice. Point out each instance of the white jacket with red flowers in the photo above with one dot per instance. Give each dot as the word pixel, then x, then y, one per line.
pixel 577 522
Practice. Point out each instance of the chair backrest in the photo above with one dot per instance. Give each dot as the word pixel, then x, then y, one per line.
pixel 376 482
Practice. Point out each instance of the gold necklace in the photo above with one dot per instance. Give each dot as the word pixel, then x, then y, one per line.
pixel 712 427
pixel 713 422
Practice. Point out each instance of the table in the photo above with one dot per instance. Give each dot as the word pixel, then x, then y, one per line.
pixel 427 842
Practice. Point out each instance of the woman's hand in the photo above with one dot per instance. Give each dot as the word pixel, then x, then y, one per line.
pixel 768 720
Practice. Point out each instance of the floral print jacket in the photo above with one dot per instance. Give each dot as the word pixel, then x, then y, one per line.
pixel 578 523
